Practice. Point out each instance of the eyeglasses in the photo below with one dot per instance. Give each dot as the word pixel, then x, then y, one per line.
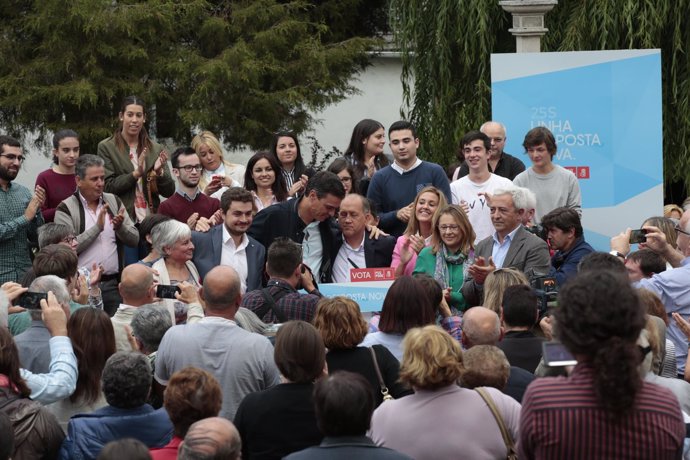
pixel 448 228
pixel 496 139
pixel 12 157
pixel 345 179
pixel 69 239
pixel 680 230
pixel 189 168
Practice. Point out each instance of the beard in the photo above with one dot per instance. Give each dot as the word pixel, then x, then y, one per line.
pixel 7 174
pixel 190 183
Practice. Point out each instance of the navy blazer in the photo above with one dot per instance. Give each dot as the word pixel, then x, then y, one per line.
pixel 208 248
pixel 377 253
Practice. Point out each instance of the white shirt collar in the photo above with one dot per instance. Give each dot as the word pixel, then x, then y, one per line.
pixel 398 168
pixel 228 241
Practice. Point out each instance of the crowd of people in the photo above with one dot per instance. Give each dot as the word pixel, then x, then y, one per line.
pixel 163 306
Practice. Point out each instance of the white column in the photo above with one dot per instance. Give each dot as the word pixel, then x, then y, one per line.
pixel 528 22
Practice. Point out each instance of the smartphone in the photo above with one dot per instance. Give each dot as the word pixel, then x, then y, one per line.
pixel 556 355
pixel 164 291
pixel 638 236
pixel 217 177
pixel 31 300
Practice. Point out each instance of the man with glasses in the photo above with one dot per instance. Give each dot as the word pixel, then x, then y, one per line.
pixel 500 163
pixel 672 286
pixel 20 214
pixel 189 204
pixel 356 249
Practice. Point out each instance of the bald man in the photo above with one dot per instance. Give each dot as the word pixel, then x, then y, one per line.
pixel 136 289
pixel 500 163
pixel 240 360
pixel 482 326
pixel 211 438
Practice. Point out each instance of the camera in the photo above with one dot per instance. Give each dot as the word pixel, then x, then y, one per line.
pixel 539 231
pixel 546 289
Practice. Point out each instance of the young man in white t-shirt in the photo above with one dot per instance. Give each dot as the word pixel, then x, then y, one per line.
pixel 470 191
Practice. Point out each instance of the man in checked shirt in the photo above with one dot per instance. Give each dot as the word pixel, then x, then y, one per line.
pixel 20 214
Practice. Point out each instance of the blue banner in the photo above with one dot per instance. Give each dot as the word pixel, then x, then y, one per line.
pixel 604 108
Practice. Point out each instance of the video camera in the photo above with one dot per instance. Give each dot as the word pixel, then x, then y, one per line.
pixel 538 230
pixel 546 289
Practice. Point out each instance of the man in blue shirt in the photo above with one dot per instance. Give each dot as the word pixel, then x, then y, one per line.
pixel 394 188
pixel 566 237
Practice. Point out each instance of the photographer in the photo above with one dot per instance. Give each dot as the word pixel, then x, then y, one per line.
pixel 564 231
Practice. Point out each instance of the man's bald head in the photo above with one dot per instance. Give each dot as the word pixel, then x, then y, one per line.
pixel 480 326
pixel 222 290
pixel 136 285
pixel 212 438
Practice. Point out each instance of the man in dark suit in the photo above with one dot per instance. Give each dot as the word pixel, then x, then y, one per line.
pixel 519 314
pixel 511 245
pixel 344 403
pixel 356 249
pixel 229 244
pixel 307 221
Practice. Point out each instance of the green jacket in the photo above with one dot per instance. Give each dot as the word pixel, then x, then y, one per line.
pixel 119 177
pixel 426 263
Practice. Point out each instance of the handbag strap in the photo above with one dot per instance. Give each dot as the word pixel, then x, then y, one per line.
pixel 507 438
pixel 382 384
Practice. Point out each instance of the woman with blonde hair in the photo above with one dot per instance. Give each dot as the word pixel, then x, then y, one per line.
pixel 343 328
pixel 218 172
pixel 417 235
pixel 450 254
pixel 673 211
pixel 456 422
pixel 496 283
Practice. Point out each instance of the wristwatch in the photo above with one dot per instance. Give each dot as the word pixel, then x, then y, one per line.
pixel 617 254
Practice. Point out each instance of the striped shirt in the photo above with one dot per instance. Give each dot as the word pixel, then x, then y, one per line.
pixel 561 419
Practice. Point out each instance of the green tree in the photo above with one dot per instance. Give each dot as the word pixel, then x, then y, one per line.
pixel 446 47
pixel 242 69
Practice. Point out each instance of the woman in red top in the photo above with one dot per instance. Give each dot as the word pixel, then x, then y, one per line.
pixel 58 181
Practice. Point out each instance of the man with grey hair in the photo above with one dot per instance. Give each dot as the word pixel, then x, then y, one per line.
pixel 213 438
pixel 511 245
pixel 101 224
pixel 126 383
pixel 33 344
pixel 500 163
pixel 149 325
pixel 241 361
pixel 481 326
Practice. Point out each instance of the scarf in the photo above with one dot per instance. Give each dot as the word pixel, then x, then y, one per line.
pixel 444 258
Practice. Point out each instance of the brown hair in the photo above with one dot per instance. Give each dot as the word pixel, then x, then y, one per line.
pixel 413 223
pixel 58 260
pixel 93 340
pixel 143 140
pixel 485 366
pixel 340 323
pixel 432 359
pixel 299 352
pixel 192 394
pixel 463 222
pixel 406 306
pixel 9 362
pixel 540 135
pixel 652 304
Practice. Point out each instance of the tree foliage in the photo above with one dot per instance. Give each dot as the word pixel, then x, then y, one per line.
pixel 446 46
pixel 242 68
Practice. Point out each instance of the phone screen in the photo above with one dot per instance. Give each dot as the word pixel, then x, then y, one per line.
pixel 31 300
pixel 555 354
pixel 165 291
pixel 638 236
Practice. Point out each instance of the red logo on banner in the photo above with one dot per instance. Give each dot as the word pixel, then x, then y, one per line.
pixel 581 172
pixel 371 274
